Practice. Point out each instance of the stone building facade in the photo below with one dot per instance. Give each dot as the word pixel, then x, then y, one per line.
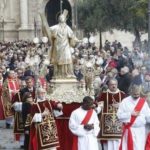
pixel 19 19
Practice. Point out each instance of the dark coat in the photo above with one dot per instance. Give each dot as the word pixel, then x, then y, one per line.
pixel 124 82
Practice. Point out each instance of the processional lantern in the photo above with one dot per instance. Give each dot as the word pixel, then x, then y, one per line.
pixel 36 40
pixel 44 39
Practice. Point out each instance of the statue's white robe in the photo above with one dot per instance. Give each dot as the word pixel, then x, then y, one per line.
pixel 62 34
pixel 138 128
pixel 87 140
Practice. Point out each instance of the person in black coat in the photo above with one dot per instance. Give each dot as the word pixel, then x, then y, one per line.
pixel 29 87
pixel 124 80
pixel 26 109
pixel 136 77
pixel 28 72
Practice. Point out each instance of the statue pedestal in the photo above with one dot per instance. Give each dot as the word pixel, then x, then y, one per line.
pixel 67 90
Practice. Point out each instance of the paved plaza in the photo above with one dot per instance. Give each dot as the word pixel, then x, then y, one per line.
pixel 7 138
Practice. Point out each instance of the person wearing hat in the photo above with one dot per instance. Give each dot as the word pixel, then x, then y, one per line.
pixel 43 133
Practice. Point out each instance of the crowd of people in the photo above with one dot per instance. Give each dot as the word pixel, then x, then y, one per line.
pixel 116 79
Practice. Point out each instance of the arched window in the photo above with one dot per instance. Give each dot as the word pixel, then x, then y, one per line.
pixel 52 11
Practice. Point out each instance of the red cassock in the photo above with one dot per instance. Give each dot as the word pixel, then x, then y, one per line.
pixel 43 135
pixel 18 121
pixel 112 129
pixel 43 83
pixel 65 135
pixel 13 86
pixel 9 89
pixel 2 117
pixel 110 98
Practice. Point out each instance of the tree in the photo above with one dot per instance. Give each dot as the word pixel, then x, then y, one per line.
pixel 134 17
pixel 94 17
pixel 104 15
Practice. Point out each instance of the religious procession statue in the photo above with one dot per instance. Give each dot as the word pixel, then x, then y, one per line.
pixel 64 85
pixel 62 39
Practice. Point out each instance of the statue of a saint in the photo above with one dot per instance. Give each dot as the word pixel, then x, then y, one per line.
pixel 61 37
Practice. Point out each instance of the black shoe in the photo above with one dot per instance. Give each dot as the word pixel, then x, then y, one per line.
pixel 22 147
pixel 7 126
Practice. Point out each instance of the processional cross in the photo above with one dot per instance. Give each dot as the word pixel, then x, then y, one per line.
pixel 61 3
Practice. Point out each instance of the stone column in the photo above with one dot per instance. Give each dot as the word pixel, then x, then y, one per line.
pixel 24 14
